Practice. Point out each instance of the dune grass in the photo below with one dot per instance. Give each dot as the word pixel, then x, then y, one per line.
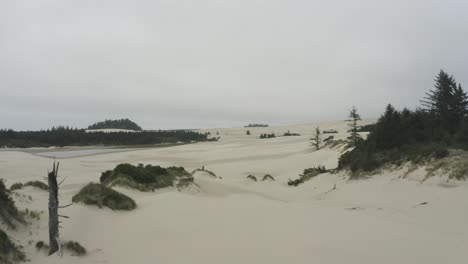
pixel 101 195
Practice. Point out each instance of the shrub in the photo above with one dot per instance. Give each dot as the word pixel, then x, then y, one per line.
pixel 268 177
pixel 100 195
pixel 330 131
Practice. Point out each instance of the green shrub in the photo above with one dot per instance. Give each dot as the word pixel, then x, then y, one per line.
pixel 16 186
pixel 100 195
pixel 9 252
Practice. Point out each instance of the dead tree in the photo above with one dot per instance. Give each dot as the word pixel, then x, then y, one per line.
pixel 54 240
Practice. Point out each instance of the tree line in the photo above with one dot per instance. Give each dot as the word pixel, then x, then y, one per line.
pixel 65 136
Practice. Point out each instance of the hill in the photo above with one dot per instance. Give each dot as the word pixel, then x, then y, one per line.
pixel 116 124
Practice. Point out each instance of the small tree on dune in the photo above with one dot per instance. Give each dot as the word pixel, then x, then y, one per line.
pixel 354 138
pixel 315 140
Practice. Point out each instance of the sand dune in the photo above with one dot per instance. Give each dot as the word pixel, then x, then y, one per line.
pixel 385 219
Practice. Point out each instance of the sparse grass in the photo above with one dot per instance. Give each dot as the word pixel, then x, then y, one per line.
pixel 100 195
pixel 9 252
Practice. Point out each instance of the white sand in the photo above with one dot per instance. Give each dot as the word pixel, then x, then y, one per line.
pixel 234 220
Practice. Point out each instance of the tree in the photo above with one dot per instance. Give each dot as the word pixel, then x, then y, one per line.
pixel 247 132
pixel 354 137
pixel 316 138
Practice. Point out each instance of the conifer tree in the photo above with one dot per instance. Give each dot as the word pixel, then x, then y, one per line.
pixel 315 140
pixel 354 137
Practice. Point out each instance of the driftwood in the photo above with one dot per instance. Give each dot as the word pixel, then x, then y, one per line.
pixel 54 240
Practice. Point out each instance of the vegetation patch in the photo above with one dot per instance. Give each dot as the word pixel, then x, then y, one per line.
pixel 9 252
pixel 330 131
pixel 143 178
pixel 307 175
pixel 100 195
pixel 36 184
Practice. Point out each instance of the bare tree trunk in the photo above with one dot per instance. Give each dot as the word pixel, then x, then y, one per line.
pixel 54 240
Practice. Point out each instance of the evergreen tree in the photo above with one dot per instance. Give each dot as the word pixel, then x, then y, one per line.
pixel 354 137
pixel 316 138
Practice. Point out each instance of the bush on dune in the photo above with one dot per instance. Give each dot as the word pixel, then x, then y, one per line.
pixel 100 195
pixel 143 178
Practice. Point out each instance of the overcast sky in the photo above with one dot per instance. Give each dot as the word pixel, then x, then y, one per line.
pixel 208 63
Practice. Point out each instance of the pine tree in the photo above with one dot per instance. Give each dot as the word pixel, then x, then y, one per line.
pixel 354 137
pixel 447 102
pixel 316 138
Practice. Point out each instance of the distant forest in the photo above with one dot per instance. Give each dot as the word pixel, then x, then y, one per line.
pixel 256 125
pixel 116 124
pixel 440 123
pixel 64 136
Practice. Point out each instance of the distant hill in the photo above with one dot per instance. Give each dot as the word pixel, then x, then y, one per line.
pixel 116 124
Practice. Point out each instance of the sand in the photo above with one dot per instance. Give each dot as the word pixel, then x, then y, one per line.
pixel 235 220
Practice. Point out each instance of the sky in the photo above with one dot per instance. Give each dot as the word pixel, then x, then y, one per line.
pixel 207 63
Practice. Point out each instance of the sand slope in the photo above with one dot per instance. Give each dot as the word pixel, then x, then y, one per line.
pixel 234 220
